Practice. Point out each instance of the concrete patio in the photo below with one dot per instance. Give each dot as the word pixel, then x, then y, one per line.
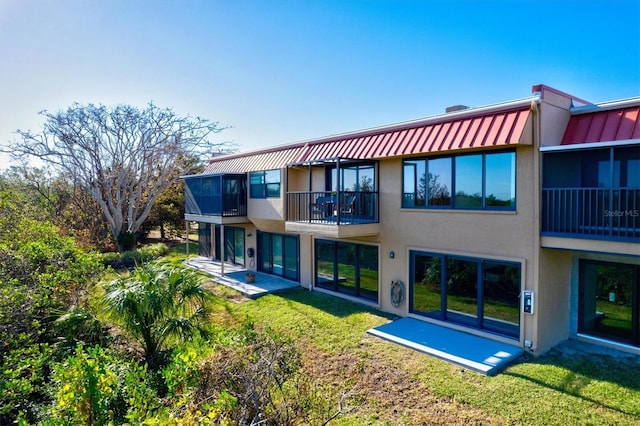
pixel 234 277
pixel 476 353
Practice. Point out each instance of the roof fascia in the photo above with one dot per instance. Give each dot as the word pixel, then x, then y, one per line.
pixel 200 175
pixel 589 145
pixel 606 106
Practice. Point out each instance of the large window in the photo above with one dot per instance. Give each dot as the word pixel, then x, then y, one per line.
pixel 347 268
pixel 476 181
pixel 265 184
pixel 609 303
pixel 278 254
pixel 478 293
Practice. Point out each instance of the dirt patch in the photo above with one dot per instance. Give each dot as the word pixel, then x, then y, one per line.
pixel 388 391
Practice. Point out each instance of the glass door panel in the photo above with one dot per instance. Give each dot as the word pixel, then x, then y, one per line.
pixel 368 271
pixel 264 252
pixel 204 239
pixel 291 257
pixel 427 289
pixel 501 298
pixel 462 291
pixel 278 259
pixel 346 268
pixel 325 275
pixel 239 246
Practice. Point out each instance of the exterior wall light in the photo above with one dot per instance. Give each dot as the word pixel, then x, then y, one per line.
pixel 392 254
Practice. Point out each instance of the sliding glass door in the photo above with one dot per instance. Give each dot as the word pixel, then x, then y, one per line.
pixel 278 254
pixel 234 245
pixel 478 293
pixel 609 301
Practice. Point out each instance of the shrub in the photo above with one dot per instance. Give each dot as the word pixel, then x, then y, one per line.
pixel 85 387
pixel 248 374
pixel 129 259
pixel 41 275
pixel 24 377
pixel 126 241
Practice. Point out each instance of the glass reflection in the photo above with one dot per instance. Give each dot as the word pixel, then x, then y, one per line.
pixel 469 181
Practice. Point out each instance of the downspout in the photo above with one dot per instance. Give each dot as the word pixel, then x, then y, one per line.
pixel 536 129
pixel 338 188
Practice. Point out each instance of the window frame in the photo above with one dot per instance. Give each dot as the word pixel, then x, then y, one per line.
pixel 265 187
pixel 334 285
pixel 454 184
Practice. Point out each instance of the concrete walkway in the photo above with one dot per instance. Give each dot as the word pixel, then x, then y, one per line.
pixel 234 277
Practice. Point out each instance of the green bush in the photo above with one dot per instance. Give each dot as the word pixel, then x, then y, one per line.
pixel 127 241
pixel 131 258
pixel 41 275
pixel 24 379
pixel 97 387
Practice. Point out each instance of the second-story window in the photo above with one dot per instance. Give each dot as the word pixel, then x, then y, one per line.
pixel 472 181
pixel 265 184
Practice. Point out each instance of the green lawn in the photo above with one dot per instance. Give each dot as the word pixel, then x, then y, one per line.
pixel 392 385
pixel 396 385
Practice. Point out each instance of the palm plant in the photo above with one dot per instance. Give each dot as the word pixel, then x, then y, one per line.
pixel 159 304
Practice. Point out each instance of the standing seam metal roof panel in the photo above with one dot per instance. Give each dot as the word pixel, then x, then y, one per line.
pixel 486 130
pixel 603 126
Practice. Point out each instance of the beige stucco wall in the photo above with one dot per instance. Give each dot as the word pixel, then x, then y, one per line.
pixel 504 235
pixel 551 318
pixel 265 208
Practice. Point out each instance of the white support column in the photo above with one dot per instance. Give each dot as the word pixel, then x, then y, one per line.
pixel 186 228
pixel 222 249
pixel 212 241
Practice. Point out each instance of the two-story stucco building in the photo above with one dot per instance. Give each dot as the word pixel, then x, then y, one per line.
pixel 519 221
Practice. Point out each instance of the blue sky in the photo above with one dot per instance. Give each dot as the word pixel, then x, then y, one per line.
pixel 284 71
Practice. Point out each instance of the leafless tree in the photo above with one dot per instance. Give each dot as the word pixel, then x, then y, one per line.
pixel 124 157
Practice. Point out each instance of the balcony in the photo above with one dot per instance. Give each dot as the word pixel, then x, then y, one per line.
pixel 338 214
pixel 591 213
pixel 216 198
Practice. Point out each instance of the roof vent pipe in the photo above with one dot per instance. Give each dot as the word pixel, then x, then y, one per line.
pixel 455 108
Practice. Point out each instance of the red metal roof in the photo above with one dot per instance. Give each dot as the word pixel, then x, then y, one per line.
pixel 456 132
pixel 264 160
pixel 603 126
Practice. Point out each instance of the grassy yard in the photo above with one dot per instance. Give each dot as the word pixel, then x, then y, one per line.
pixel 392 385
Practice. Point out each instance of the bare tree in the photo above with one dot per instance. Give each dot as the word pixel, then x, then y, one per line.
pixel 124 157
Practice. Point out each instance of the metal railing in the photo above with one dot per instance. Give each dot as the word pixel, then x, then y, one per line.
pixel 333 208
pixel 227 205
pixel 591 212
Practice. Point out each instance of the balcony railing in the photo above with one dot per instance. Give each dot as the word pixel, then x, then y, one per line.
pixel 591 213
pixel 325 207
pixel 227 205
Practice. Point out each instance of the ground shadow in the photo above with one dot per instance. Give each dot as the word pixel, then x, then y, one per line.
pixel 330 304
pixel 578 365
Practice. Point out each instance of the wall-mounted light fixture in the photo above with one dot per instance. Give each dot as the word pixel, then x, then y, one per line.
pixel 392 254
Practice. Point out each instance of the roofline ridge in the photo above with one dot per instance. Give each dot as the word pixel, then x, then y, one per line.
pixel 607 105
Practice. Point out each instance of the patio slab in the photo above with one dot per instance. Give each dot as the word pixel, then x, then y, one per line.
pixel 476 353
pixel 234 277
